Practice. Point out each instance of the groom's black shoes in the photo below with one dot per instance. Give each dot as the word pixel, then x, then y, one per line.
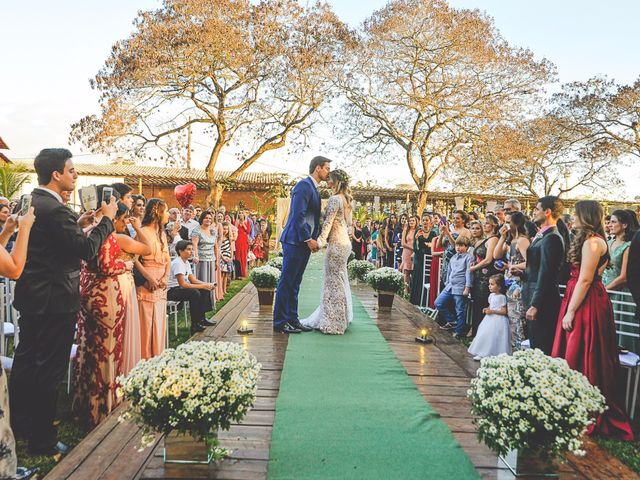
pixel 286 328
pixel 299 326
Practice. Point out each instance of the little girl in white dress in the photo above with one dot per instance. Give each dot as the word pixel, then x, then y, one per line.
pixel 494 334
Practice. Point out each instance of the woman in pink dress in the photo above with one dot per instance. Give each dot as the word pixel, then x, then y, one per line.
pixel 154 267
pixel 100 333
pixel 408 235
pixel 586 332
pixel 242 243
pixel 129 251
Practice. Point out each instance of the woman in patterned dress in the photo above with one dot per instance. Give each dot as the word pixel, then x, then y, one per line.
pixel 335 311
pixel 205 245
pixel 100 333
pixel 129 250
pixel 152 296
pixel 11 266
pixel 513 244
pixel 218 219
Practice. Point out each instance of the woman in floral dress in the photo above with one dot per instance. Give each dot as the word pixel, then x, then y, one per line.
pixel 100 334
pixel 205 245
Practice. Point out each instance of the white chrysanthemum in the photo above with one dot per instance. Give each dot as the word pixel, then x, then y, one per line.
pixel 530 399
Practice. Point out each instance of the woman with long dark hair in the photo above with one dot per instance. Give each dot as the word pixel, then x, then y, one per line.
pixel 357 242
pixel 614 276
pixel 100 331
pixel 389 257
pixel 205 239
pixel 483 269
pixel 512 246
pixel 586 332
pixel 152 296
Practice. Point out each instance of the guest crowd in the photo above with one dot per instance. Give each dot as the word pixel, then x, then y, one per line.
pixel 498 280
pixel 95 287
pixel 102 280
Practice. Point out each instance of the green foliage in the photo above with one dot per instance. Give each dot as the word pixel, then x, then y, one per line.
pixel 11 180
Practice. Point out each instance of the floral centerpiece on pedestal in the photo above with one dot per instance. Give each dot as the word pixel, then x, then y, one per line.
pixel 195 389
pixel 265 280
pixel 386 281
pixel 358 269
pixel 533 403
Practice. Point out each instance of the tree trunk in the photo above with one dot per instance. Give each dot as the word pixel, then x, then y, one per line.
pixel 215 194
pixel 422 203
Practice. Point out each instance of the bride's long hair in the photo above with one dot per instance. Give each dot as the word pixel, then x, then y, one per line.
pixel 340 181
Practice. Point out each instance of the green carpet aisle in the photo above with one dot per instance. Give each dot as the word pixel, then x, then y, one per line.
pixel 347 408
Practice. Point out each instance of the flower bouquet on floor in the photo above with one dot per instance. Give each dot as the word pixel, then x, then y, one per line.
pixel 188 394
pixel 358 269
pixel 534 404
pixel 387 282
pixel 265 280
pixel 276 262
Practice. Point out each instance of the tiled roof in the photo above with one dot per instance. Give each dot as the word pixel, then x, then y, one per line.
pixel 4 158
pixel 3 145
pixel 165 176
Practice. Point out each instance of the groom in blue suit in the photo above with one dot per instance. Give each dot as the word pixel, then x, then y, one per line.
pixel 298 241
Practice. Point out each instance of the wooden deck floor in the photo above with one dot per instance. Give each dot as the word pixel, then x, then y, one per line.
pixel 441 373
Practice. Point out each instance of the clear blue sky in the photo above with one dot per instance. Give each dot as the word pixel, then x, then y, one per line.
pixel 49 50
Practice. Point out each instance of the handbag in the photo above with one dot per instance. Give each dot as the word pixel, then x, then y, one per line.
pixel 138 278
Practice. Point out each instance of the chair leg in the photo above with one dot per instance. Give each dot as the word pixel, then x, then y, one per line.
pixel 634 398
pixel 175 321
pixel 69 378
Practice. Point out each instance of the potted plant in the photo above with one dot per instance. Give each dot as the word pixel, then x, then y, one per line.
pixel 386 281
pixel 191 392
pixel 276 262
pixel 265 280
pixel 358 269
pixel 534 404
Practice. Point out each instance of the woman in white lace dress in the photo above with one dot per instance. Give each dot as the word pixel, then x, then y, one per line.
pixel 335 311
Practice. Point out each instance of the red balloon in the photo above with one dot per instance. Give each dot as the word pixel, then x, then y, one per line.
pixel 185 194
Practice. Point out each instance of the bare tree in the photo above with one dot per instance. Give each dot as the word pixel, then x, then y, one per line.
pixel 602 109
pixel 252 75
pixel 428 80
pixel 539 156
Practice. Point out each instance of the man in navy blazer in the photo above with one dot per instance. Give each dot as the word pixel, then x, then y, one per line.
pixel 298 241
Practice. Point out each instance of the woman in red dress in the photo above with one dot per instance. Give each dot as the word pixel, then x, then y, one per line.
pixel 100 334
pixel 586 333
pixel 242 243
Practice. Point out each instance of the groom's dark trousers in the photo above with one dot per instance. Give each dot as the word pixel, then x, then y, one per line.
pixel 294 263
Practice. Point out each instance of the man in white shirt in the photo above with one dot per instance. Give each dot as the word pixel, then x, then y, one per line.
pixel 184 286
pixel 187 219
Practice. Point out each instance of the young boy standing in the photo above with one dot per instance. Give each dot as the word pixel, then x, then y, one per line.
pixel 454 295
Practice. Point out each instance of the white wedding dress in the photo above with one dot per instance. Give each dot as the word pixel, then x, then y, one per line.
pixel 335 311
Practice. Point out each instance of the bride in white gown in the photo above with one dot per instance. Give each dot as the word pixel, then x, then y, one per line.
pixel 335 311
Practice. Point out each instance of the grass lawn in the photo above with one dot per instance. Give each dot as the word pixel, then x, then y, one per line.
pixel 69 430
pixel 627 452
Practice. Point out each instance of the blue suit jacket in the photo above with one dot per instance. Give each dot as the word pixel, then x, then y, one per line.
pixel 304 216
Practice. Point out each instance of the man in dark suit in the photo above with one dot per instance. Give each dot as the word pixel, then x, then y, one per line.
pixel 633 272
pixel 540 293
pixel 47 296
pixel 298 241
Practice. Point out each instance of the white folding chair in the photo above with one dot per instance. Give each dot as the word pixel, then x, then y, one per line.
pixel 172 309
pixel 631 362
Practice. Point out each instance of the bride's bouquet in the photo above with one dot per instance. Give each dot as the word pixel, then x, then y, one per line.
pixel 533 402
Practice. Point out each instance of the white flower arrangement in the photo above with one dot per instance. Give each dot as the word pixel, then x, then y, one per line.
pixel 386 279
pixel 359 269
pixel 199 387
pixel 265 277
pixel 529 401
pixel 275 262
